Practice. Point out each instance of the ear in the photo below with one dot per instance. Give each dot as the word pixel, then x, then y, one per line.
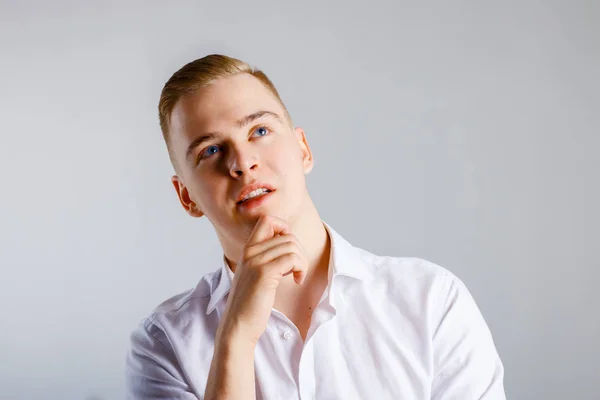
pixel 184 197
pixel 307 158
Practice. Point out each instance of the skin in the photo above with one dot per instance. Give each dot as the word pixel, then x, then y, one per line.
pixel 278 251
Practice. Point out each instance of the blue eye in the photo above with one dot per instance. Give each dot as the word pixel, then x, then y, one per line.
pixel 263 130
pixel 209 151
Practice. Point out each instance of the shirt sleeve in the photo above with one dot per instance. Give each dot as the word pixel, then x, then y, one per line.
pixel 152 371
pixel 466 363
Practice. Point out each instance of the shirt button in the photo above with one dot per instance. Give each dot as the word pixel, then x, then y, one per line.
pixel 287 335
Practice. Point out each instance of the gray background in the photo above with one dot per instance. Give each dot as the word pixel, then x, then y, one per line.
pixel 463 133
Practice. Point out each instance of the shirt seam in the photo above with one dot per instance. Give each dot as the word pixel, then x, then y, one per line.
pixel 186 379
pixel 461 357
pixel 187 301
pixel 151 355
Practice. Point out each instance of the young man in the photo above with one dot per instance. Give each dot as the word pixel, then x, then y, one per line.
pixel 294 311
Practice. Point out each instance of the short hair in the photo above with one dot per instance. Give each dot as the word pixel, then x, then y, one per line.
pixel 200 73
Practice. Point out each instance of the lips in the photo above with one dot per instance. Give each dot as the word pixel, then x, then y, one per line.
pixel 252 187
pixel 254 195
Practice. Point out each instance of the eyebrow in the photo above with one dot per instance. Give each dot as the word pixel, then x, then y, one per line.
pixel 240 124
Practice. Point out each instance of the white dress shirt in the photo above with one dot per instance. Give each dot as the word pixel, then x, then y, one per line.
pixel 385 328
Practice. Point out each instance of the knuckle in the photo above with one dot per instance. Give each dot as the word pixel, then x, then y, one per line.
pixel 254 261
pixel 293 239
pixel 247 256
pixel 284 259
pixel 257 261
pixel 291 247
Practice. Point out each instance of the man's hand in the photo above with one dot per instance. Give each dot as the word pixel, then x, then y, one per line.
pixel 271 253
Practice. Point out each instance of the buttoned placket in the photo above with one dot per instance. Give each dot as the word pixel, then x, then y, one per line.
pixel 303 350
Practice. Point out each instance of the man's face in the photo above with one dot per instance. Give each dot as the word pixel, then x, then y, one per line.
pixel 246 140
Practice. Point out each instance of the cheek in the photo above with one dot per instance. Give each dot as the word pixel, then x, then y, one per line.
pixel 210 192
pixel 289 158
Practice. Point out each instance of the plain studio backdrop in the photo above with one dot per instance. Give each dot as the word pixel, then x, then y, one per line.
pixel 463 133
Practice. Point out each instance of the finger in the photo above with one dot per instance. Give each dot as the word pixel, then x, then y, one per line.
pixel 263 259
pixel 267 227
pixel 266 264
pixel 290 263
pixel 263 246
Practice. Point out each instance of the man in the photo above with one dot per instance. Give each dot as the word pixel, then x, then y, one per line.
pixel 294 311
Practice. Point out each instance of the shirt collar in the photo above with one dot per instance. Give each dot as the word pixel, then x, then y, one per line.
pixel 344 259
pixel 224 278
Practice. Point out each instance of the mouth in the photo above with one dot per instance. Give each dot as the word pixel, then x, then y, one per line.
pixel 254 195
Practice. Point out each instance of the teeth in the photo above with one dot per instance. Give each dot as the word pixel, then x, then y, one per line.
pixel 255 193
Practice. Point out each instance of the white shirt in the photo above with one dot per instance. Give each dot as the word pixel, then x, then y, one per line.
pixel 385 328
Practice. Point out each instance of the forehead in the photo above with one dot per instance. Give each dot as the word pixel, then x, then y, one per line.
pixel 220 105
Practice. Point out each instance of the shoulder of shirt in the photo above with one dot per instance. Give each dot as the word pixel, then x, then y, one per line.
pixel 393 267
pixel 171 308
pixel 411 277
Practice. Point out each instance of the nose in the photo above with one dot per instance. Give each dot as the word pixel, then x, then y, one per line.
pixel 242 162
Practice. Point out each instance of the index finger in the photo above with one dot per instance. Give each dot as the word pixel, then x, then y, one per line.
pixel 267 227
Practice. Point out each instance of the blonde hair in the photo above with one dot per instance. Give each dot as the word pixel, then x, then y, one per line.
pixel 200 73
